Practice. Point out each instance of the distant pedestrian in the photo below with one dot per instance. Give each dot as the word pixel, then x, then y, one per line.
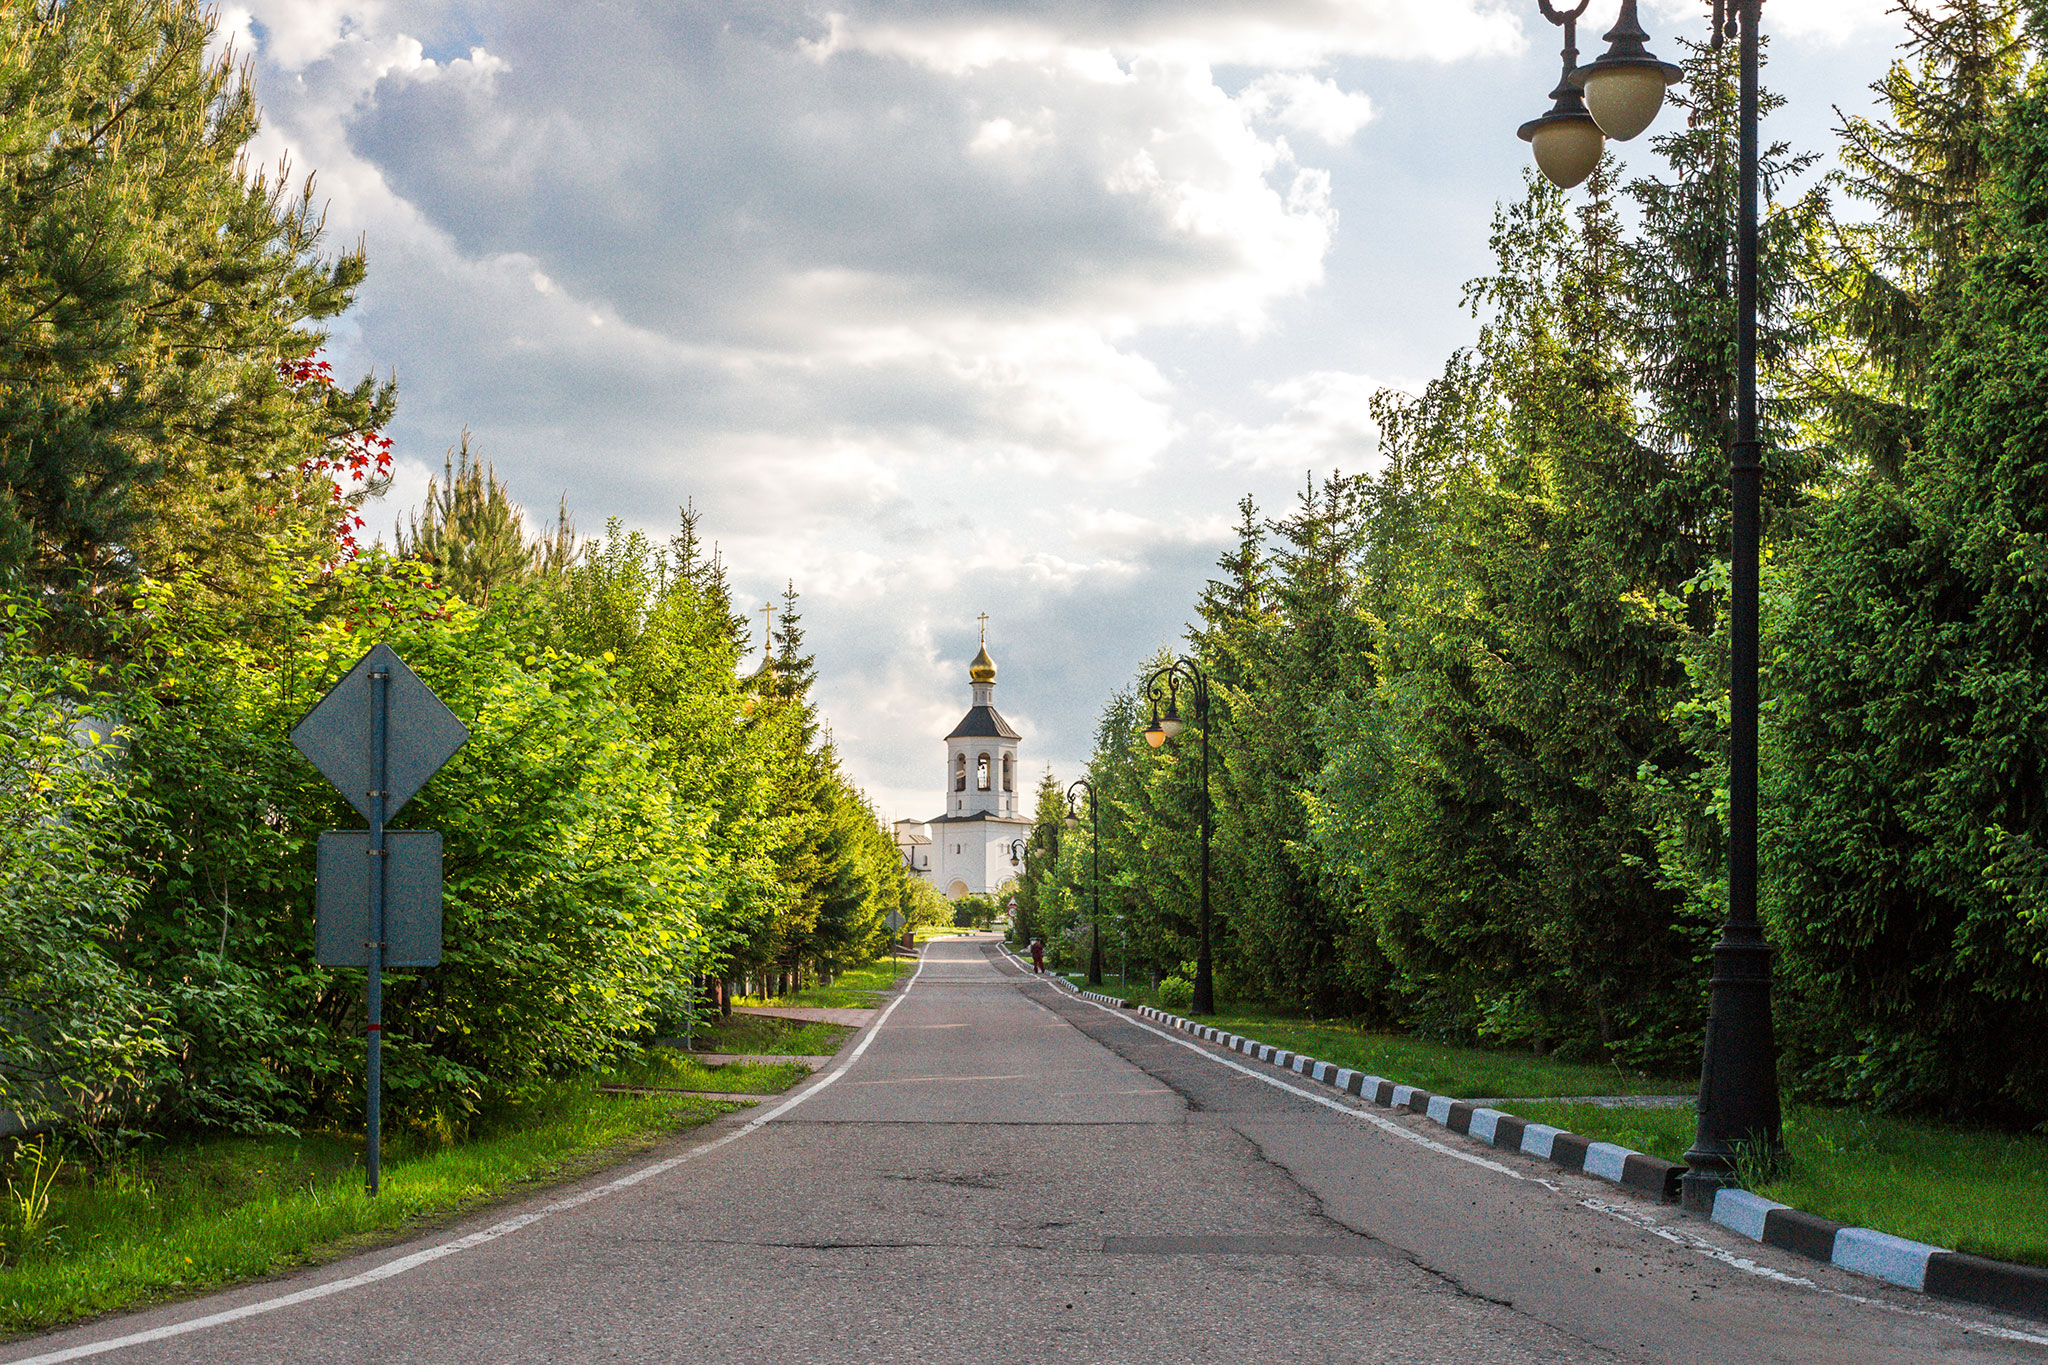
pixel 1038 955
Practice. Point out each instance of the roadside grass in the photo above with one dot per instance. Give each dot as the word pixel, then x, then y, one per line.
pixel 166 1222
pixel 766 1036
pixel 856 988
pixel 662 1066
pixel 1968 1189
pixel 1440 1068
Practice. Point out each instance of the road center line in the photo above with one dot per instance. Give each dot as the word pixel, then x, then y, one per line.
pixel 1675 1236
pixel 428 1255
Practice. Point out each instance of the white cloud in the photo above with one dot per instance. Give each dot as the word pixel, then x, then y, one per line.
pixel 1308 104
pixel 1828 20
pixel 936 308
pixel 1327 425
pixel 1288 34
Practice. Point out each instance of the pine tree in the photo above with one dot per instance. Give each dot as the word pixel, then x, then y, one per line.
pixel 473 534
pixel 162 402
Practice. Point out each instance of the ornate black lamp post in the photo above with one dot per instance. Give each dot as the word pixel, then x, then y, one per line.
pixel 1738 1100
pixel 1073 822
pixel 1176 675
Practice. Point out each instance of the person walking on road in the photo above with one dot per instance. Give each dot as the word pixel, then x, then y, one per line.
pixel 1038 956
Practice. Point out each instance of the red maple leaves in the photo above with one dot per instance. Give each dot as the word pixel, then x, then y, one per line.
pixel 352 460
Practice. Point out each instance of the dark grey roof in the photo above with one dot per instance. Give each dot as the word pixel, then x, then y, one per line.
pixel 987 816
pixel 983 723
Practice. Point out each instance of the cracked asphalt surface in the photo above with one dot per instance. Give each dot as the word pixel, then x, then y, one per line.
pixel 1010 1174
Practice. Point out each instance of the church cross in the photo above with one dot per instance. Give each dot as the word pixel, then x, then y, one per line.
pixel 983 618
pixel 767 626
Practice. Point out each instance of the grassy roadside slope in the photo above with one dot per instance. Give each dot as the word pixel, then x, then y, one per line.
pixel 856 988
pixel 175 1221
pixel 1437 1067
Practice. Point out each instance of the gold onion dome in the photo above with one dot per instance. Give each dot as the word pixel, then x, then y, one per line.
pixel 983 669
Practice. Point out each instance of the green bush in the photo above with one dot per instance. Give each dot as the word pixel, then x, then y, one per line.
pixel 1176 993
pixel 575 886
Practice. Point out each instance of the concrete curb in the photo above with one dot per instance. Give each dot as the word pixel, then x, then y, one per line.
pixel 1895 1260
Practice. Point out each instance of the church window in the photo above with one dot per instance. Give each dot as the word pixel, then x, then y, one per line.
pixel 960 773
pixel 1009 772
pixel 981 773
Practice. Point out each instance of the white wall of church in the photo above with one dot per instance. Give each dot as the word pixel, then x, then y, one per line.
pixel 966 850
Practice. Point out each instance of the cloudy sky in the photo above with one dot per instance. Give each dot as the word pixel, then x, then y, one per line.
pixel 938 307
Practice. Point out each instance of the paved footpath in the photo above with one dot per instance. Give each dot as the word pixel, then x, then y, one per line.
pixel 1005 1173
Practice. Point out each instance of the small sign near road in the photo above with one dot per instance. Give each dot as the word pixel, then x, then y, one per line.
pixel 894 919
pixel 378 735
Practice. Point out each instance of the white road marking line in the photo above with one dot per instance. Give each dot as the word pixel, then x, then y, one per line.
pixel 1673 1235
pixel 492 1233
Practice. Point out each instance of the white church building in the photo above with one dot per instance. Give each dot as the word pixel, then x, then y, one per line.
pixel 977 843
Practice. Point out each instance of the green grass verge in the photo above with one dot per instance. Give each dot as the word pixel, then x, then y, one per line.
pixel 1975 1191
pixel 856 988
pixel 1462 1072
pixel 170 1222
pixel 668 1067
pixel 766 1036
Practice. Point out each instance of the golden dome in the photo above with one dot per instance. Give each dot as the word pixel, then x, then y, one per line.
pixel 983 669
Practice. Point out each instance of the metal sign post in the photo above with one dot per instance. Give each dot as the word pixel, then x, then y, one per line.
pixel 378 735
pixel 380 756
pixel 895 923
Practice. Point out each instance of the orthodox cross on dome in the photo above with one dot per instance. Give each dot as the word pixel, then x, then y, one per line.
pixel 767 610
pixel 983 618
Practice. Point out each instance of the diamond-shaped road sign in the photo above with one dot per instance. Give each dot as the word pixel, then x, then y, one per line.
pixel 421 734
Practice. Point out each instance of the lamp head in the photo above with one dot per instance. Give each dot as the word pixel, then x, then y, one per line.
pixel 1625 85
pixel 1567 143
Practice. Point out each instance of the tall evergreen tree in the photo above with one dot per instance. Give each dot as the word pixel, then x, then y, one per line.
pixel 1920 170
pixel 1905 751
pixel 474 536
pixel 161 397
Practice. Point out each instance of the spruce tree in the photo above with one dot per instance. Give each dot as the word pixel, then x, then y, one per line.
pixel 1920 169
pixel 1908 834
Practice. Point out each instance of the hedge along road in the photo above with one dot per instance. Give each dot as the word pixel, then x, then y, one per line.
pixel 1000 1172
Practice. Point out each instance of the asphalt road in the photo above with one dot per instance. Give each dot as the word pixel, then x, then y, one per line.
pixel 1005 1173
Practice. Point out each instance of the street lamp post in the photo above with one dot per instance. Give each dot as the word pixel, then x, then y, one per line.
pixel 1738 1097
pixel 1175 675
pixel 1073 822
pixel 1018 850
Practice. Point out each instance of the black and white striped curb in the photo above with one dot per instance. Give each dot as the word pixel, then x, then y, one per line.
pixel 1895 1260
pixel 1930 1269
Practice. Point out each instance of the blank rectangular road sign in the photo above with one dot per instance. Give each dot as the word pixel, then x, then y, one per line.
pixel 412 899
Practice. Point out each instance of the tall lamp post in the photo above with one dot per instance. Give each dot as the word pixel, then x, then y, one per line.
pixel 1174 676
pixel 1623 90
pixel 1073 822
pixel 1018 849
